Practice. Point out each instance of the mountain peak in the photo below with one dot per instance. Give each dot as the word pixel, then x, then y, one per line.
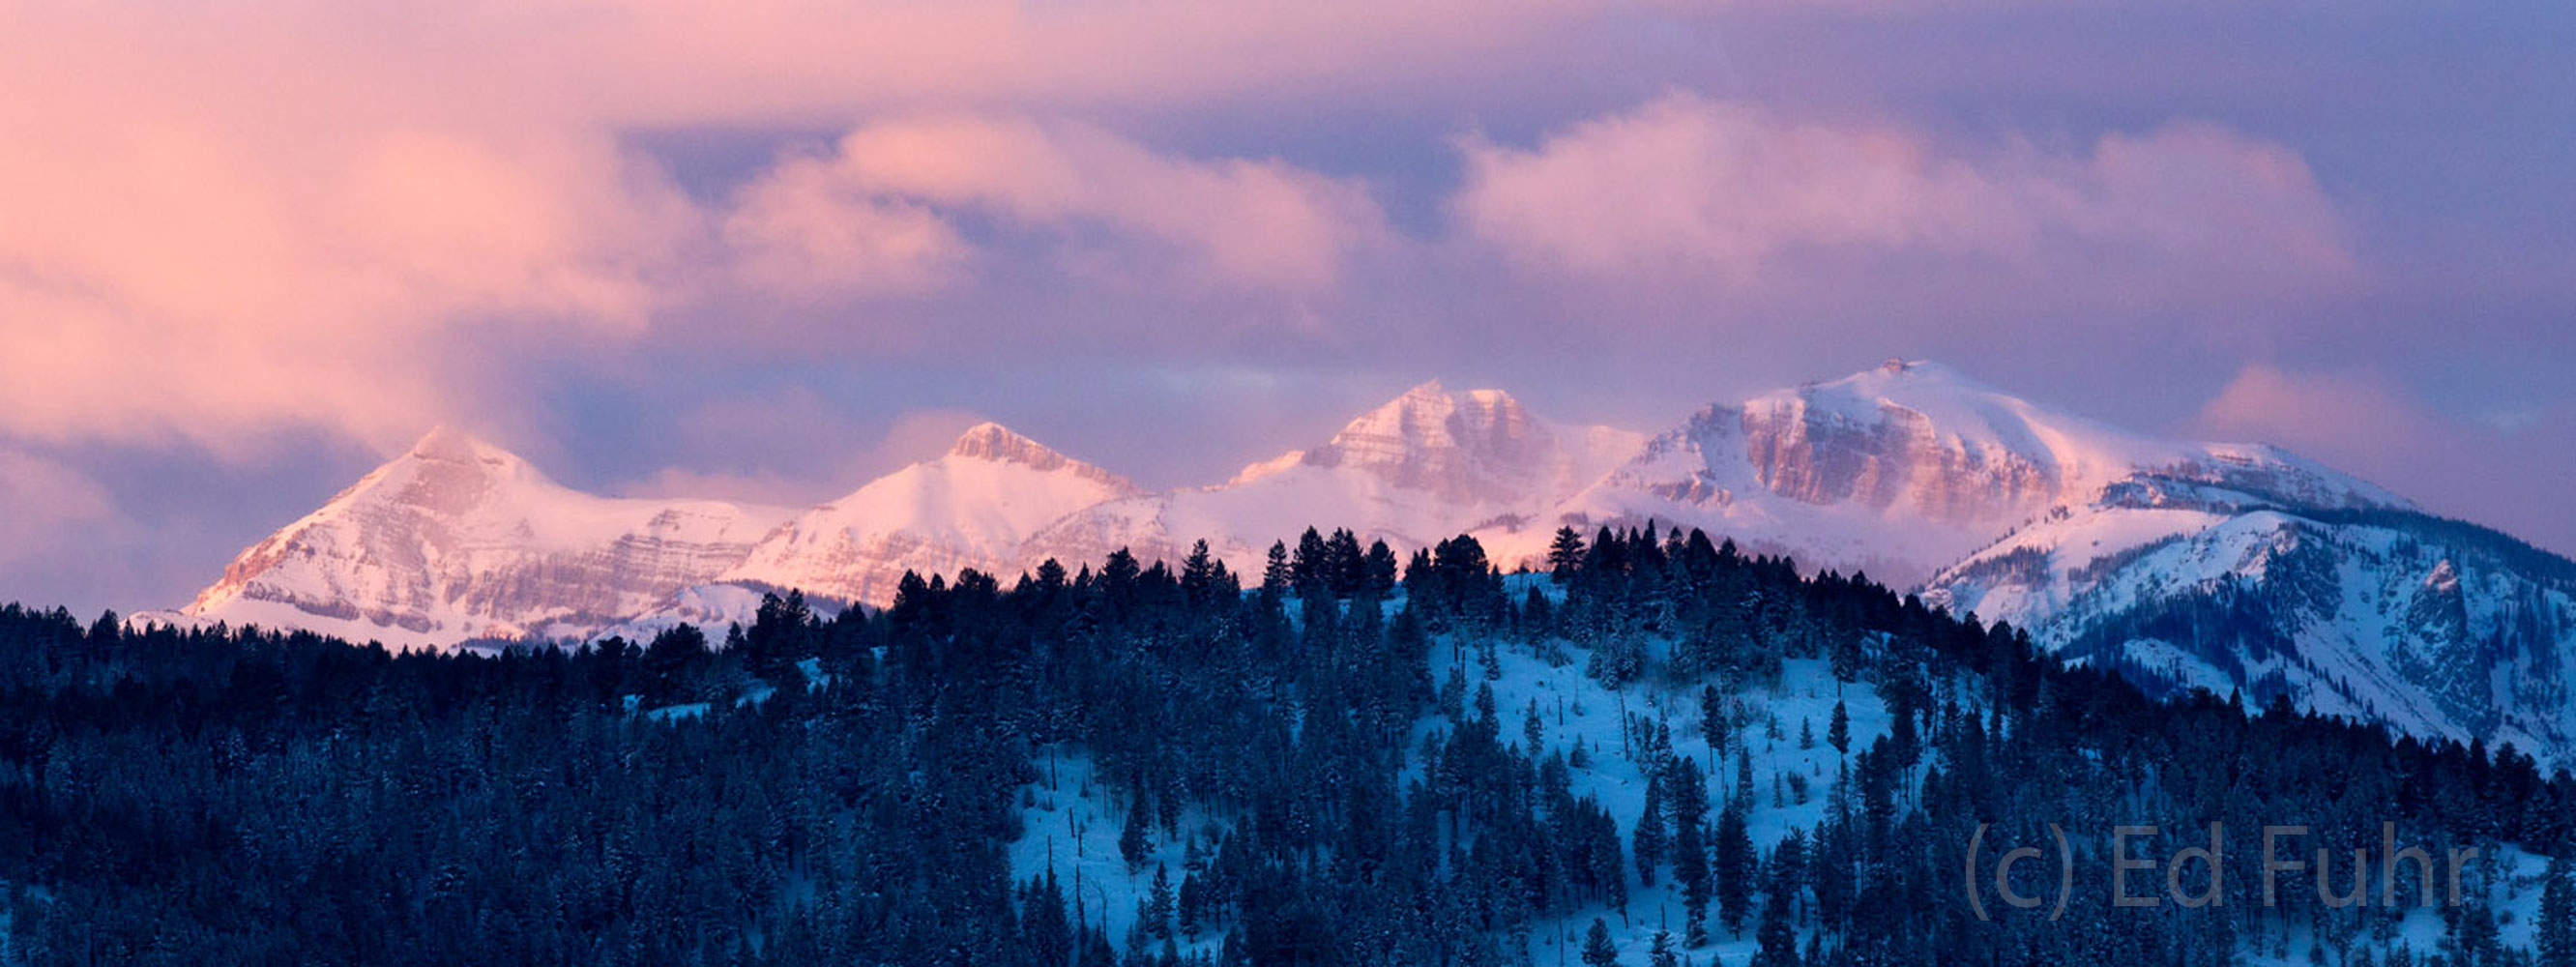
pixel 992 441
pixel 448 444
pixel 1430 415
pixel 1899 374
pixel 449 453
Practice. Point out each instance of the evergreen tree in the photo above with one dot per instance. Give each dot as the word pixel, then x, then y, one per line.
pixel 1660 953
pixel 1845 658
pixel 1779 941
pixel 1158 905
pixel 1310 569
pixel 1712 722
pixel 1838 731
pixel 1133 845
pixel 2555 930
pixel 1690 868
pixel 1733 870
pixel 1345 565
pixel 1276 579
pixel 1777 935
pixel 1597 949
pixel 1378 569
pixel 1565 554
pixel 1744 776
pixel 1189 911
pixel 1647 840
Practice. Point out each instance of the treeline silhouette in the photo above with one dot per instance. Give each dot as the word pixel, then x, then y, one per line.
pixel 810 790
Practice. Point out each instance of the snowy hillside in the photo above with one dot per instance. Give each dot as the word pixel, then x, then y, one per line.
pixel 2438 628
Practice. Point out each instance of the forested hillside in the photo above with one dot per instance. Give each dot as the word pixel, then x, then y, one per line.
pixel 1325 748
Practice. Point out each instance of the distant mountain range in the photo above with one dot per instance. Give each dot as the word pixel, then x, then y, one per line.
pixel 2184 564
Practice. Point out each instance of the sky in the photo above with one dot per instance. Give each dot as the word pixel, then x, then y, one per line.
pixel 767 249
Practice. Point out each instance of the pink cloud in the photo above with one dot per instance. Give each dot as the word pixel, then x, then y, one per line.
pixel 1261 224
pixel 215 228
pixel 805 230
pixel 1688 185
pixel 199 268
pixel 2350 417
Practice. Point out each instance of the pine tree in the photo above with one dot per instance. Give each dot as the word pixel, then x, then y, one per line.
pixel 1158 905
pixel 1838 731
pixel 1690 868
pixel 1597 949
pixel 1660 953
pixel 1712 722
pixel 1647 840
pixel 1565 554
pixel 1845 657
pixel 1744 775
pixel 1198 573
pixel 1378 569
pixel 1733 870
pixel 1275 576
pixel 1778 936
pixel 2556 927
pixel 1132 843
pixel 1779 941
pixel 1189 911
pixel 1345 565
pixel 1042 920
pixel 1308 570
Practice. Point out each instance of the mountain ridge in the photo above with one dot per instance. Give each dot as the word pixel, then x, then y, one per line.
pixel 2182 564
pixel 1902 468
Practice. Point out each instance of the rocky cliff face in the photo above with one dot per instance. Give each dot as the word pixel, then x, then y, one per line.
pixel 1474 447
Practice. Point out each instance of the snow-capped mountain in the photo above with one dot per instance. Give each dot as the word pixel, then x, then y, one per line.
pixel 1428 465
pixel 1897 470
pixel 2187 563
pixel 973 508
pixel 457 539
pixel 2438 628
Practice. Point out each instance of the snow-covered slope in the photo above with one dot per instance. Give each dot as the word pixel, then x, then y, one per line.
pixel 1897 470
pixel 458 539
pixel 2438 628
pixel 972 508
pixel 1428 465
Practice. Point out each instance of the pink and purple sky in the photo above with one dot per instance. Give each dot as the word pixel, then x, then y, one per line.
pixel 768 249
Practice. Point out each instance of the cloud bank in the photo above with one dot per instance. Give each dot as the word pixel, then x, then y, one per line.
pixel 227 234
